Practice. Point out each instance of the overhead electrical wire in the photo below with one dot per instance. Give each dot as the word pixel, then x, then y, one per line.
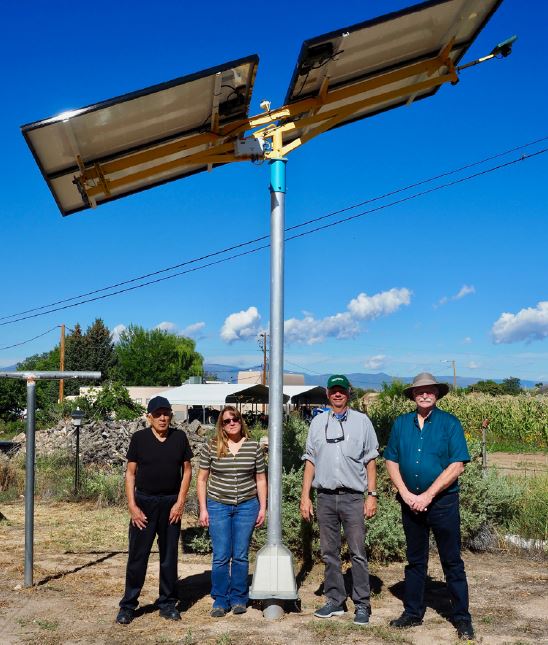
pixel 24 342
pixel 265 237
pixel 40 309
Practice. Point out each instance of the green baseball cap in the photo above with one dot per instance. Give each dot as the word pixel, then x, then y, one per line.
pixel 338 379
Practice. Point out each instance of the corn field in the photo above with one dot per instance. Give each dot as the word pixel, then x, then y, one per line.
pixel 521 419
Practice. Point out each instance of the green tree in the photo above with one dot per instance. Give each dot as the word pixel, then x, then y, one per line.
pixel 486 387
pixel 47 392
pixel 512 385
pixel 394 389
pixel 92 351
pixel 12 398
pixel 155 357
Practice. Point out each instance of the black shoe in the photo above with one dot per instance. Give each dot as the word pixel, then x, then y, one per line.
pixel 125 616
pixel 329 609
pixel 170 613
pixel 239 609
pixel 465 630
pixel 218 612
pixel 361 615
pixel 405 620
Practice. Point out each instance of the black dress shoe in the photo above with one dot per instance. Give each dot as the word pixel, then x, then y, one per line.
pixel 125 616
pixel 405 620
pixel 170 613
pixel 465 630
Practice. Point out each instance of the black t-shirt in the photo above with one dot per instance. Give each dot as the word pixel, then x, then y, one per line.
pixel 159 463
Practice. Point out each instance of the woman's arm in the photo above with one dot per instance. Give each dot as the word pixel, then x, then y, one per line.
pixel 201 491
pixel 262 487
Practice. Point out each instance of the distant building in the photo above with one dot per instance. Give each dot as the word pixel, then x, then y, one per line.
pixel 255 377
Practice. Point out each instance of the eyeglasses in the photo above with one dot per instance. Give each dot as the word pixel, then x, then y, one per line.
pixel 227 422
pixel 338 438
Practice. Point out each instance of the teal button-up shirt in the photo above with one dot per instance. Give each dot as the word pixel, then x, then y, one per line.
pixel 422 455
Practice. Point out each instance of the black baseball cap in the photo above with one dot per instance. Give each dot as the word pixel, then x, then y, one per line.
pixel 157 403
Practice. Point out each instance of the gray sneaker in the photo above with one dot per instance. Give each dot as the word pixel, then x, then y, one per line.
pixel 361 615
pixel 329 609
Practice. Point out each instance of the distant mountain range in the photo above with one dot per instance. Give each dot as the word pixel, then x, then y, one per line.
pixel 359 379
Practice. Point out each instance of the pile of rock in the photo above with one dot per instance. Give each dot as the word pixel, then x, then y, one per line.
pixel 102 442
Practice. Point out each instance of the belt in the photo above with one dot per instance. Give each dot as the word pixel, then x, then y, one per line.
pixel 339 491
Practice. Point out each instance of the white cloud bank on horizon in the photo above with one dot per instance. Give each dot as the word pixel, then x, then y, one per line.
pixel 465 290
pixel 309 330
pixel 241 325
pixel 375 362
pixel 527 325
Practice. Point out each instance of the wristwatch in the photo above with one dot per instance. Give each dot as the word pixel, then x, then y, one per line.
pixel 372 493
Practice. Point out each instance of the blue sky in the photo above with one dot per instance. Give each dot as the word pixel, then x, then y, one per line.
pixel 459 274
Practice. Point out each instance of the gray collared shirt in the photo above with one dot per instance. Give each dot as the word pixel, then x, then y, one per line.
pixel 342 464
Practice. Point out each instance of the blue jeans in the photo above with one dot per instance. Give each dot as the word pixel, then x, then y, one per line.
pixel 444 519
pixel 230 528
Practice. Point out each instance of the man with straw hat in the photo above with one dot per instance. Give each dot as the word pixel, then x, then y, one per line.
pixel 425 455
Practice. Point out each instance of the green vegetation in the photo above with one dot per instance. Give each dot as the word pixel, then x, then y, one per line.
pixel 155 357
pixel 516 423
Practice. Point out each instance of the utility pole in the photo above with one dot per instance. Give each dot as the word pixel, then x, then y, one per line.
pixel 62 363
pixel 454 366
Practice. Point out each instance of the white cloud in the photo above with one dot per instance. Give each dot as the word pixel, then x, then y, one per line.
pixel 310 330
pixel 466 340
pixel 375 362
pixel 366 307
pixel 528 325
pixel 472 365
pixel 170 327
pixel 464 291
pixel 241 325
pixel 194 330
pixel 115 333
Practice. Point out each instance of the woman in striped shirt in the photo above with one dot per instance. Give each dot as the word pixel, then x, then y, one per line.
pixel 232 496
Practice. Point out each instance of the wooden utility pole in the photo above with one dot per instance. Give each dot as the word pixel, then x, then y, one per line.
pixel 62 363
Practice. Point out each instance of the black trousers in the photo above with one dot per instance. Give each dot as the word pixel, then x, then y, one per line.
pixel 156 508
pixel 444 520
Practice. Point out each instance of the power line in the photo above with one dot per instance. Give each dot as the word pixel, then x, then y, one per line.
pixel 24 342
pixel 265 237
pixel 259 248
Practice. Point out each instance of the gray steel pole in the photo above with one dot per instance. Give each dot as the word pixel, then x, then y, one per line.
pixel 29 481
pixel 275 422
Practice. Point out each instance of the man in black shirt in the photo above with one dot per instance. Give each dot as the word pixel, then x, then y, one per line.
pixel 157 480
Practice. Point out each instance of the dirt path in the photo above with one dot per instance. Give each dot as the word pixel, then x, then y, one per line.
pixel 521 463
pixel 79 571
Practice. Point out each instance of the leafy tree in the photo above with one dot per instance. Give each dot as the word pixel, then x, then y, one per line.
pixel 12 398
pixel 47 392
pixel 155 357
pixel 512 385
pixel 111 398
pixel 92 351
pixel 394 389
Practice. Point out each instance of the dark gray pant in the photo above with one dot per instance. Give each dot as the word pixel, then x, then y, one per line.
pixel 344 509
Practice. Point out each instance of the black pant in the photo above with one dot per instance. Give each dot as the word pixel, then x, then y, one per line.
pixel 443 518
pixel 156 508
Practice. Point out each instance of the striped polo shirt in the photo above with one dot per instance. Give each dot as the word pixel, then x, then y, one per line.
pixel 232 477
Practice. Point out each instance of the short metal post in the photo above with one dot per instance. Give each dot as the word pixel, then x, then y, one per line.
pixel 29 481
pixel 77 463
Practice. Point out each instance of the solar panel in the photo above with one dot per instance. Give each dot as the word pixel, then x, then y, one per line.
pixel 380 64
pixel 135 141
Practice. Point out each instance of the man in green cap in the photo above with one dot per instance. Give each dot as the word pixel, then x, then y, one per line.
pixel 340 464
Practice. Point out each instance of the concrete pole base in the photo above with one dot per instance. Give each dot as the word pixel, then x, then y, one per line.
pixel 273 609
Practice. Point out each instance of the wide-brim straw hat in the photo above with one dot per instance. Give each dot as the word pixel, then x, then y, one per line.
pixel 425 378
